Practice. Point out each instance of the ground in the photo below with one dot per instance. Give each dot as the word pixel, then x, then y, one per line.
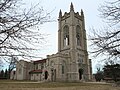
pixel 27 85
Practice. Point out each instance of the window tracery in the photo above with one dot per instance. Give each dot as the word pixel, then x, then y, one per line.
pixel 66 35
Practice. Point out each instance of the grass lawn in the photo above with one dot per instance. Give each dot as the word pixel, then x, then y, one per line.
pixel 27 85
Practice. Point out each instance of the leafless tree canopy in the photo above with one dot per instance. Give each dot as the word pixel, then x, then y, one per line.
pixel 111 11
pixel 19 35
pixel 107 41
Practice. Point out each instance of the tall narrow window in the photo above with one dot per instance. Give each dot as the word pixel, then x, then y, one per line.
pixel 42 65
pixel 36 66
pixel 20 70
pixel 66 35
pixel 52 64
pixel 63 67
pixel 78 35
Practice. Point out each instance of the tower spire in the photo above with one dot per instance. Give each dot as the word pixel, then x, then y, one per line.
pixel 71 7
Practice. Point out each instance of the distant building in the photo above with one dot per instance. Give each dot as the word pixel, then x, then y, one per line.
pixel 71 63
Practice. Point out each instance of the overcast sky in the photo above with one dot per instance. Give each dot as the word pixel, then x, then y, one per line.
pixel 92 19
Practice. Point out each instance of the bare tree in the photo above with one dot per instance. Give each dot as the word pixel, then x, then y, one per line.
pixel 12 64
pixel 19 28
pixel 107 41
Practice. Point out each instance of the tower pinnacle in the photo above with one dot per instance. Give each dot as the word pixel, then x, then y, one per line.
pixel 82 13
pixel 60 13
pixel 71 7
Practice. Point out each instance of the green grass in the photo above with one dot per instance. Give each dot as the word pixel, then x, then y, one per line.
pixel 23 85
pixel 20 84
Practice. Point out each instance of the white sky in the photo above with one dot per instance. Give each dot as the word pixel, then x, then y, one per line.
pixel 92 19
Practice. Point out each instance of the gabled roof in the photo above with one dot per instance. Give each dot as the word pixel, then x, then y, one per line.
pixel 40 61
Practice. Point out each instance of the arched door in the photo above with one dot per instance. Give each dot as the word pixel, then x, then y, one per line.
pixel 80 73
pixel 46 75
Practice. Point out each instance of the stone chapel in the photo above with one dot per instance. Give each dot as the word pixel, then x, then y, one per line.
pixel 71 62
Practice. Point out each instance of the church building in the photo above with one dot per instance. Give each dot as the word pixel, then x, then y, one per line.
pixel 71 62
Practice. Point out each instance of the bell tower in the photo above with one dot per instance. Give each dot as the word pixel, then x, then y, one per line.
pixel 71 33
pixel 72 41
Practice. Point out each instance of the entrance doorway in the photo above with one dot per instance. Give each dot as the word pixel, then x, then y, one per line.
pixel 80 73
pixel 46 75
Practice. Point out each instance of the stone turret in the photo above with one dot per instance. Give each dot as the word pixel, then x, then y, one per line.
pixel 71 7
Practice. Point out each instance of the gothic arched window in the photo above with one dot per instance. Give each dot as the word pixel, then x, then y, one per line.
pixel 63 67
pixel 52 64
pixel 78 35
pixel 66 35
